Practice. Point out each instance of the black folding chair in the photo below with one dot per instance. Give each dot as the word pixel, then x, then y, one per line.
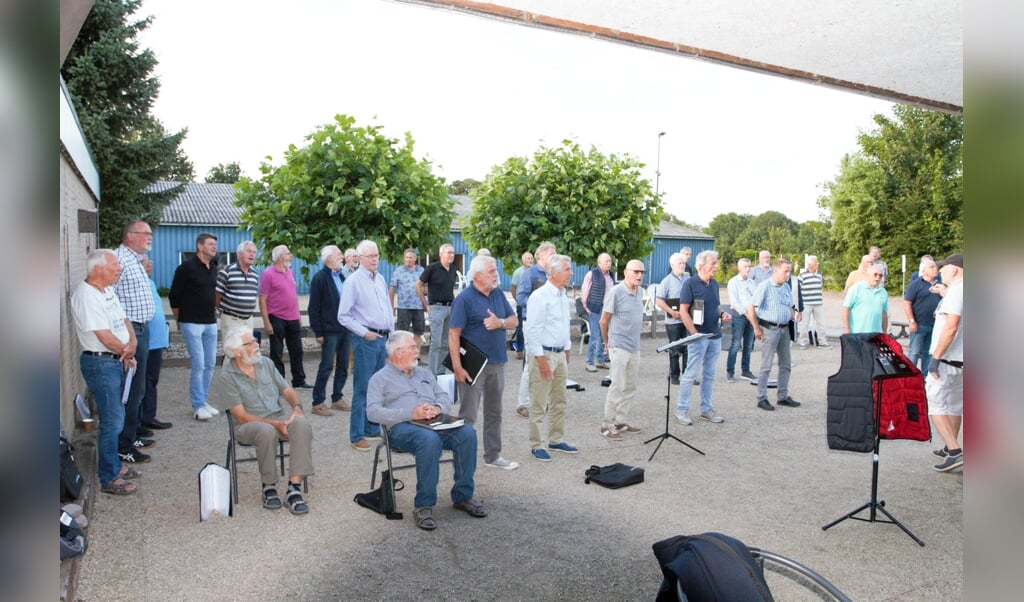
pixel 233 459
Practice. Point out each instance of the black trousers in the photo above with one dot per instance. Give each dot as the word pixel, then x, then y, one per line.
pixel 287 332
pixel 677 356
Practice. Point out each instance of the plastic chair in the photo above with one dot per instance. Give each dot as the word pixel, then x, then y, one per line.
pixel 233 459
pixel 581 322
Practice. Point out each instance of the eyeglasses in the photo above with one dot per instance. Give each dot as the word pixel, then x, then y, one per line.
pixel 638 271
pixel 374 256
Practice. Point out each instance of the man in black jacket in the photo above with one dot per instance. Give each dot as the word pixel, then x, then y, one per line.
pixel 324 297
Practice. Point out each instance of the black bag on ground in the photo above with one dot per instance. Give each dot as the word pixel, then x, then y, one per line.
pixel 710 567
pixel 72 538
pixel 382 499
pixel 71 480
pixel 614 476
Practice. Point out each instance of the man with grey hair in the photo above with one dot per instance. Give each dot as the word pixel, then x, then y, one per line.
pixel 279 305
pixel 622 320
pixel 531 280
pixel 866 305
pixel 482 315
pixel 811 301
pixel 548 347
pixel 876 257
pixel 365 311
pixel 763 270
pixel 686 253
pixel 324 299
pixel 351 263
pixel 860 274
pixel 741 290
pixel 919 304
pixel 770 311
pixel 238 290
pixel 700 310
pixel 667 299
pixel 596 285
pixel 402 392
pixel 265 410
pixel 408 307
pixel 436 290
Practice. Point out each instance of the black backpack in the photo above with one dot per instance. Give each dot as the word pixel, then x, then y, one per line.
pixel 382 499
pixel 71 480
pixel 615 475
pixel 709 567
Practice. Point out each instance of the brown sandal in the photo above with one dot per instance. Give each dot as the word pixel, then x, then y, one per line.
pixel 118 488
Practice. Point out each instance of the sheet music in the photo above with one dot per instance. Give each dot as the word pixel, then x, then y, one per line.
pixel 127 384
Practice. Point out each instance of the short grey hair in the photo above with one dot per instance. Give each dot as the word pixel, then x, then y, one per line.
pixel 925 263
pixel 328 251
pixel 742 260
pixel 245 243
pixel 365 246
pixel 278 252
pixel 705 256
pixel 396 340
pixel 96 259
pixel 445 247
pixel 557 263
pixel 686 250
pixel 675 258
pixel 544 246
pixel 479 264
pixel 233 342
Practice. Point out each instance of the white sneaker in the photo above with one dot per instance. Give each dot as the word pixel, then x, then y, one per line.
pixel 203 413
pixel 502 463
pixel 212 410
pixel 683 419
pixel 590 368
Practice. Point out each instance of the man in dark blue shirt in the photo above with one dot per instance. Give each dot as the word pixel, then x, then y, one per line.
pixel 919 303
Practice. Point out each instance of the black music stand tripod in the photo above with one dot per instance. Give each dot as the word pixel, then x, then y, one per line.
pixel 668 395
pixel 874 504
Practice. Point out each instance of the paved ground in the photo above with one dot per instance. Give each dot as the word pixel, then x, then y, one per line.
pixel 768 479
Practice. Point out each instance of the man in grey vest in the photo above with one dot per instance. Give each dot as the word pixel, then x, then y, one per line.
pixel 596 285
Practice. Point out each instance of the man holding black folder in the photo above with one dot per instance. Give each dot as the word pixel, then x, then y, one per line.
pixel 667 300
pixel 480 316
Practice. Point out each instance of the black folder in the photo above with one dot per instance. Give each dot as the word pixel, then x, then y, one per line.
pixel 473 360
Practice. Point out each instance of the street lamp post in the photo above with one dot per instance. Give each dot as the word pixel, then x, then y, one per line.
pixel 657 169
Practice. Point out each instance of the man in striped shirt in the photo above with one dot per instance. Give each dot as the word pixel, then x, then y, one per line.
pixel 812 303
pixel 238 289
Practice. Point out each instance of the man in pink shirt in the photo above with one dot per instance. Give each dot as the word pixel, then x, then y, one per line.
pixel 279 305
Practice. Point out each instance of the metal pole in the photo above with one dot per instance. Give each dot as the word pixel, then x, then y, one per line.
pixel 657 169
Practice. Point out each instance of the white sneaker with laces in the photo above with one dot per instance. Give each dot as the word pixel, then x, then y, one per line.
pixel 212 410
pixel 203 413
pixel 683 419
pixel 502 463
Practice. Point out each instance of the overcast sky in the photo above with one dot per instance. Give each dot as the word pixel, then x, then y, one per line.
pixel 249 78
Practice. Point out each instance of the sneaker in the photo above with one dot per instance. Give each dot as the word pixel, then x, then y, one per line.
pixel 765 405
pixel 674 380
pixel 541 455
pixel 203 413
pixel 212 410
pixel 804 346
pixel 950 462
pixel 563 447
pixel 134 457
pixel 749 376
pixel 604 365
pixel 523 412
pixel 322 410
pixel 143 443
pixel 683 419
pixel 342 406
pixel 788 402
pixel 590 368
pixel 729 378
pixel 303 386
pixel 502 463
pixel 611 433
pixel 942 453
pixel 361 445
pixel 696 382
pixel 711 416
pixel 626 428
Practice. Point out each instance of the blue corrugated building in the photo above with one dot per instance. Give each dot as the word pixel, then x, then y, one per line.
pixel 209 208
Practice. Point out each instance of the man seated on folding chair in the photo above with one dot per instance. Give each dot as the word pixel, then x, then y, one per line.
pixel 254 392
pixel 401 392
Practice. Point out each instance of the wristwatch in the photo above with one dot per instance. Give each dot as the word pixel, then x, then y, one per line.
pixel 503 322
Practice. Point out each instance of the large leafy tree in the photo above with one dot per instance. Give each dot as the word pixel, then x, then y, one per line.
pixel 224 174
pixel 583 201
pixel 903 191
pixel 113 87
pixel 348 183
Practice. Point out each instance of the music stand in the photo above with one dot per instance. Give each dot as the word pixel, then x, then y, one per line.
pixel 668 394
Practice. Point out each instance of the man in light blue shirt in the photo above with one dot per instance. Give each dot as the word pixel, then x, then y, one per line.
pixel 770 312
pixel 866 306
pixel 741 292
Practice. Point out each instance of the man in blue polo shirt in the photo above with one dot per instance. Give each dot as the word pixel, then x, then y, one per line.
pixel 481 314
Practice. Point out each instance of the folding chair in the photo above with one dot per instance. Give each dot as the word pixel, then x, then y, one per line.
pixel 233 459
pixel 581 322
pixel 447 381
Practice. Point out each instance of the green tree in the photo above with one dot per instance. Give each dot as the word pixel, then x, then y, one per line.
pixel 584 202
pixel 347 184
pixel 903 191
pixel 224 174
pixel 463 187
pixel 113 87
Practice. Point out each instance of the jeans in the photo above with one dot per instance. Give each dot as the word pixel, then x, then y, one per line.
pixel 678 356
pixel 776 340
pixel 489 389
pixel 154 360
pixel 426 445
pixel 287 332
pixel 201 341
pixel 439 318
pixel 595 350
pixel 104 376
pixel 920 343
pixel 702 358
pixel 133 407
pixel 368 357
pixel 742 333
pixel 333 354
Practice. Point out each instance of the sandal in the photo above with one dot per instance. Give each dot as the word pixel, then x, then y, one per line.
pixel 118 488
pixel 270 499
pixel 130 473
pixel 425 519
pixel 296 505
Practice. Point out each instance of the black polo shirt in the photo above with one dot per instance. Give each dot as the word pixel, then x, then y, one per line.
pixel 440 282
pixel 193 292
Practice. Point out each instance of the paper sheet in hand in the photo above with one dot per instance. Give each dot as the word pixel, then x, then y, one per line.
pixel 214 491
pixel 127 384
pixel 473 360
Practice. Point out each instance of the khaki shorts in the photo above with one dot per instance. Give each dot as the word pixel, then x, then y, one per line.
pixel 945 391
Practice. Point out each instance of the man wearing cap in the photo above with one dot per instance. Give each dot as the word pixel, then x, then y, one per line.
pixel 944 384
